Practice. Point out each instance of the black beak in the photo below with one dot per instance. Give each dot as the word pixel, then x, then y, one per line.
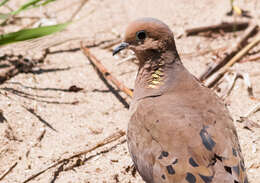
pixel 120 47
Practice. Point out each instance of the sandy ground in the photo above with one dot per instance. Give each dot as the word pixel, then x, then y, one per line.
pixel 46 122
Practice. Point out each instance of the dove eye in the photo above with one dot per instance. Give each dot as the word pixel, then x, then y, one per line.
pixel 141 35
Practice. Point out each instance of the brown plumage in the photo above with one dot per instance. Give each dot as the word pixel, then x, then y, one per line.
pixel 179 130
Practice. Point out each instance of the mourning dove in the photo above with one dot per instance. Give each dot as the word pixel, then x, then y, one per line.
pixel 179 131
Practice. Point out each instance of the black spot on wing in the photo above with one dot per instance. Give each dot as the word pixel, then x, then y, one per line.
pixel 163 177
pixel 175 161
pixel 207 141
pixel 228 169
pixel 206 179
pixel 236 181
pixel 170 169
pixel 236 169
pixel 234 152
pixel 192 162
pixel 218 157
pixel 190 178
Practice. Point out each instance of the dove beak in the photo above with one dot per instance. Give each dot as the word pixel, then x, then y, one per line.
pixel 120 47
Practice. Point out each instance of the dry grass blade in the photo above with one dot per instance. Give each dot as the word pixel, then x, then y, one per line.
pixel 105 72
pixel 230 53
pixel 121 141
pixel 8 171
pixel 242 52
pixel 115 136
pixel 233 26
pixel 216 76
pixel 107 140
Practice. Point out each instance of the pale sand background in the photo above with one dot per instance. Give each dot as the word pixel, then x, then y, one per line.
pixel 98 113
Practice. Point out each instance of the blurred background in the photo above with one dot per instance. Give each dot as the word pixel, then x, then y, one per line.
pixel 61 121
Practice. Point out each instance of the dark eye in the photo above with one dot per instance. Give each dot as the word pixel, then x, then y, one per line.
pixel 141 35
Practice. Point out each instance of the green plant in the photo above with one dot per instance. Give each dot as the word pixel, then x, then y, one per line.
pixel 32 33
pixel 27 34
pixel 31 4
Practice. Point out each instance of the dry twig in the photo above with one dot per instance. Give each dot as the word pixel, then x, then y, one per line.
pixel 249 124
pixel 222 26
pixel 230 53
pixel 210 82
pixel 231 76
pixel 80 162
pixel 115 136
pixel 105 72
pixel 8 171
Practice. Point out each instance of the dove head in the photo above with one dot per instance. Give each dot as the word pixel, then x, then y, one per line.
pixel 149 38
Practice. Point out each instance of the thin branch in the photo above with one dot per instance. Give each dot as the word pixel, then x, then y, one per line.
pixel 210 82
pixel 230 53
pixel 8 171
pixel 40 118
pixel 233 26
pixel 115 136
pixel 105 72
pixel 81 162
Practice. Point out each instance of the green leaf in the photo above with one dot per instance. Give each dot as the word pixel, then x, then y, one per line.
pixel 26 6
pixel 27 34
pixel 3 2
pixel 32 3
pixel 46 2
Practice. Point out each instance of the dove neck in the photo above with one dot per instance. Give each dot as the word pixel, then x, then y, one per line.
pixel 158 74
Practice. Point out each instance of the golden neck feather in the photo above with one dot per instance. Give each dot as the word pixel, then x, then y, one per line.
pixel 157 76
